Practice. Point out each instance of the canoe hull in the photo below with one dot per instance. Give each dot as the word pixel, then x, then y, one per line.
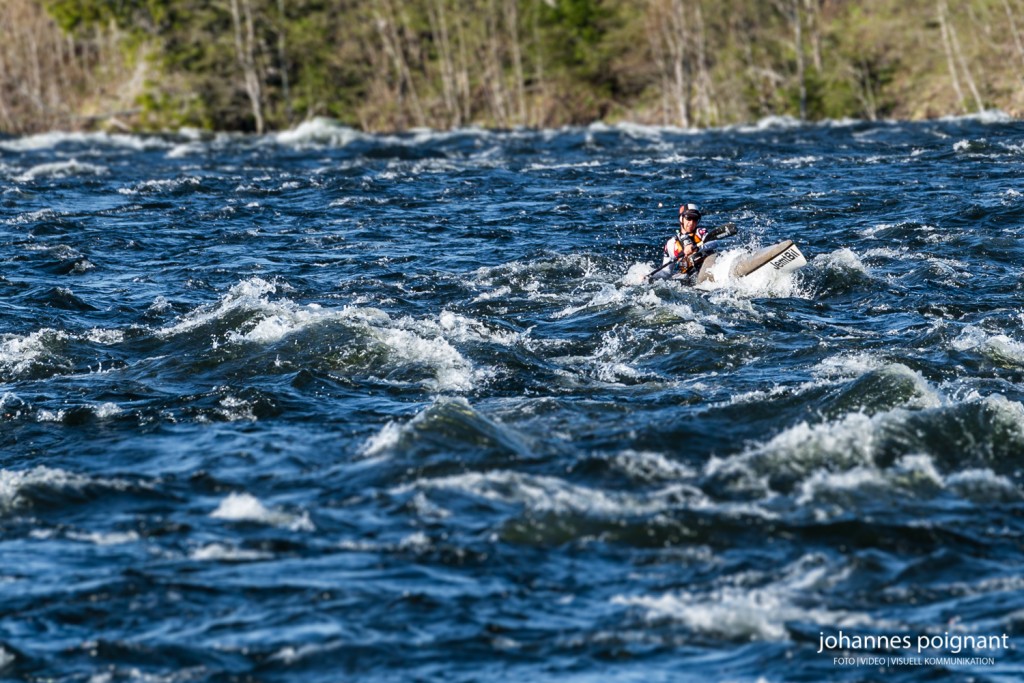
pixel 782 257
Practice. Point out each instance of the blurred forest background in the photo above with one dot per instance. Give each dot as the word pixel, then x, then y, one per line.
pixel 257 65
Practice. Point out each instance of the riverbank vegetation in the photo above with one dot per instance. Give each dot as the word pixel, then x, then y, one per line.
pixel 258 65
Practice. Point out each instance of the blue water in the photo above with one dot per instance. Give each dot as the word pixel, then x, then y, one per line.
pixel 325 406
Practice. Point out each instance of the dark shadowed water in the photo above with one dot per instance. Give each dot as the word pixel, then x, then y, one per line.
pixel 328 407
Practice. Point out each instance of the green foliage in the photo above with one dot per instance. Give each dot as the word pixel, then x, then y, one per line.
pixel 128 15
pixel 575 32
pixel 385 64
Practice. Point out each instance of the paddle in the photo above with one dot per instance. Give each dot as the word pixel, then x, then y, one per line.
pixel 663 266
pixel 727 230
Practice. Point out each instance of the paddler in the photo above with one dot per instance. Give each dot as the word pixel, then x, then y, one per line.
pixel 686 249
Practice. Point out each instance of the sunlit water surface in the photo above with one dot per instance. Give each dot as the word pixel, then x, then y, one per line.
pixel 324 406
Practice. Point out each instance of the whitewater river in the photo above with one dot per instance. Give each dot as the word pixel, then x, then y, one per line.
pixel 323 406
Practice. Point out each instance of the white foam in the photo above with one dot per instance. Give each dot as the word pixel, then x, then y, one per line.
pixel 222 552
pixel 13 482
pixel 17 354
pixel 608 294
pixel 636 275
pixel 6 658
pixel 426 509
pixel 105 538
pixel 384 440
pixel 165 185
pixel 770 123
pixel 453 372
pixel 415 542
pixel 983 486
pixel 839 457
pixel 911 475
pixel 998 347
pixel 804 449
pixel 800 161
pixel 751 613
pixel 319 131
pixel 106 410
pixel 501 293
pixel 840 259
pixel 562 166
pixel 844 366
pixel 61 169
pixel 244 507
pixel 544 494
pixel 50 140
pixel 839 369
pixel 764 282
pixel 32 217
pixel 608 362
pixel 648 466
pixel 408 340
pixel 985 116
pixel 105 337
pixel 234 409
pixel 246 293
pixel 447 409
pixel 462 328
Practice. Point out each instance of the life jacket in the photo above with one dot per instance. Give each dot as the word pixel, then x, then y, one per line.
pixel 674 247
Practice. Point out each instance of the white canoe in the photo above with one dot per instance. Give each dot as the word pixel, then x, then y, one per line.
pixel 783 257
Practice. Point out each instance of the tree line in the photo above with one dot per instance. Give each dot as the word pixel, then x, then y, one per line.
pixel 258 65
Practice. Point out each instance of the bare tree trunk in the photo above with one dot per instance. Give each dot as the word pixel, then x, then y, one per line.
pixel 865 91
pixel 814 18
pixel 791 10
pixel 245 50
pixel 282 58
pixel 950 61
pixel 801 66
pixel 6 120
pixel 658 52
pixel 1013 29
pixel 671 40
pixel 705 83
pixel 538 73
pixel 954 50
pixel 493 68
pixel 439 27
pixel 388 31
pixel 512 21
pixel 463 81
pixel 46 76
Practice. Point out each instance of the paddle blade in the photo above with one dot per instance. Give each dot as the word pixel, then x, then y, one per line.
pixel 727 230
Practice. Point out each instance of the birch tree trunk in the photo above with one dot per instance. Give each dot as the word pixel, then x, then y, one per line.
pixel 954 56
pixel 438 18
pixel 814 20
pixel 512 25
pixel 950 61
pixel 801 66
pixel 246 52
pixel 282 58
pixel 493 72
pixel 1013 29
pixel 387 29
pixel 705 83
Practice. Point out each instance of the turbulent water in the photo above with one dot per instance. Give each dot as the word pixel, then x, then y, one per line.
pixel 325 406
